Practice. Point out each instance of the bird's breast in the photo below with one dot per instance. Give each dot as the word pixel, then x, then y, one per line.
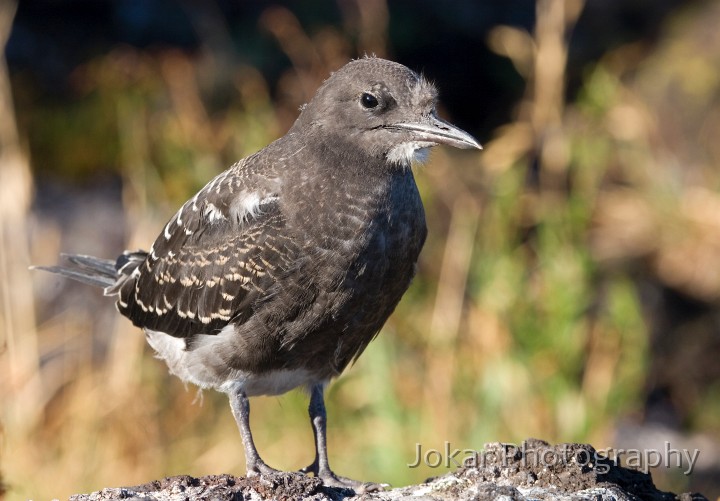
pixel 362 229
pixel 366 247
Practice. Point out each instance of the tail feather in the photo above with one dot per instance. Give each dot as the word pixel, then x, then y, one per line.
pixel 87 269
pixel 85 277
pixel 107 267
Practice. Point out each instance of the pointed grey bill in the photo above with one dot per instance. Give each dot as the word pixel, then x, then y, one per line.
pixel 437 130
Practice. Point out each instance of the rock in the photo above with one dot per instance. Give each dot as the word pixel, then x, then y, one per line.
pixel 534 470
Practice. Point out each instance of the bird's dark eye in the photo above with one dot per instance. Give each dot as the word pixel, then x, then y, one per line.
pixel 368 100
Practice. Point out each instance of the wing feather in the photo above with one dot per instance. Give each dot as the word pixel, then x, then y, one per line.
pixel 215 257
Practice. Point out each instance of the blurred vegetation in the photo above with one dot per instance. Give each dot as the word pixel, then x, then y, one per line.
pixel 570 282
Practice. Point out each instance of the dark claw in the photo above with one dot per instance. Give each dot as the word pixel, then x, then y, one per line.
pixel 330 479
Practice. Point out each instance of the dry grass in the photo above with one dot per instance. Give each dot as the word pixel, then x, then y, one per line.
pixel 524 320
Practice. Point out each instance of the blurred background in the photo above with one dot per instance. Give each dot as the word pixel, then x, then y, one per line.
pixel 569 289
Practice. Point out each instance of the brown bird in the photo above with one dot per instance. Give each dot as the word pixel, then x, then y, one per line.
pixel 281 270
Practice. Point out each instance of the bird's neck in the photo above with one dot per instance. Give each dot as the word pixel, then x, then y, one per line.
pixel 330 156
pixel 329 184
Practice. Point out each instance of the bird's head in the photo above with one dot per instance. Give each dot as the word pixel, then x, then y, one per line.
pixel 384 109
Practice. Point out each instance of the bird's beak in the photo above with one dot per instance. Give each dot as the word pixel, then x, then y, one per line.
pixel 436 130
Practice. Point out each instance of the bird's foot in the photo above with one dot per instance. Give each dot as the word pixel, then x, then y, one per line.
pixel 259 468
pixel 330 479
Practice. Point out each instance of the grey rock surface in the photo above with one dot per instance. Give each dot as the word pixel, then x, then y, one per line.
pixel 535 470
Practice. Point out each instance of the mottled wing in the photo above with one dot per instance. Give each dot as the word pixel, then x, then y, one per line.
pixel 221 251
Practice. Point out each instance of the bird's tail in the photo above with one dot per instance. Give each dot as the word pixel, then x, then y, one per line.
pixel 86 269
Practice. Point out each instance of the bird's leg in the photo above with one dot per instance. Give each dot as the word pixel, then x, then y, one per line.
pixel 320 467
pixel 240 406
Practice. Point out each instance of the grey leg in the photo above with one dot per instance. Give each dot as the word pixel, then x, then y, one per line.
pixel 321 467
pixel 318 420
pixel 240 406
